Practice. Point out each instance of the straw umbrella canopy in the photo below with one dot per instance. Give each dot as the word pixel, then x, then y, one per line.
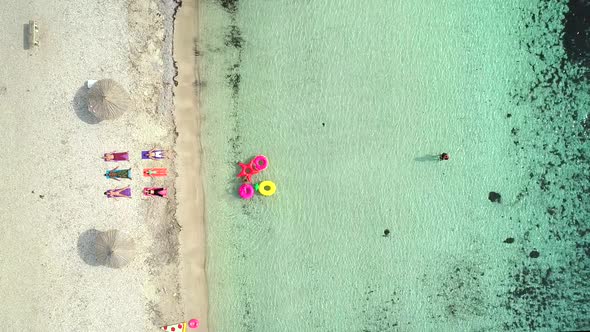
pixel 107 100
pixel 113 249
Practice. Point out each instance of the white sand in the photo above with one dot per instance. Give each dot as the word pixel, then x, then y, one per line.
pixel 53 178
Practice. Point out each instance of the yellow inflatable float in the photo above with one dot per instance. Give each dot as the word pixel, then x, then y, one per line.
pixel 267 188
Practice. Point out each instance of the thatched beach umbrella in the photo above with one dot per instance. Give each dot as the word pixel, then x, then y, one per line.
pixel 113 249
pixel 107 100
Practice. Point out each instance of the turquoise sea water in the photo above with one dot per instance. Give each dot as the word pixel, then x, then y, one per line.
pixel 351 101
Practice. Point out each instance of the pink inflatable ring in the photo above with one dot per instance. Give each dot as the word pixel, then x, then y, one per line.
pixel 193 323
pixel 260 163
pixel 246 191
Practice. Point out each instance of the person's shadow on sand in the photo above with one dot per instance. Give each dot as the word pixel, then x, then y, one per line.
pixel 86 247
pixel 80 105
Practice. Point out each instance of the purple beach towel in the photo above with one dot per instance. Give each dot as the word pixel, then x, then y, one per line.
pixel 126 192
pixel 159 154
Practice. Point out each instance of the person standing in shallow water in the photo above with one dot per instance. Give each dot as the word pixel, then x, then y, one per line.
pixel 443 156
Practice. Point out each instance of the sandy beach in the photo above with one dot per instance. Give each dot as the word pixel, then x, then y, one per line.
pixel 49 278
pixel 190 211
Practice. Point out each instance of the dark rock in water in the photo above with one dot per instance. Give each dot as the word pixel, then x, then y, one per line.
pixel 233 37
pixel 231 6
pixel 509 115
pixel 386 233
pixel 586 123
pixel 577 32
pixel 509 240
pixel 495 197
pixel 534 254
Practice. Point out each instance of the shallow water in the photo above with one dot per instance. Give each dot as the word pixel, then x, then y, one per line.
pixel 351 103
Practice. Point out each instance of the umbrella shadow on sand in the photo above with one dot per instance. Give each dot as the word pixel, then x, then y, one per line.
pixel 86 247
pixel 80 105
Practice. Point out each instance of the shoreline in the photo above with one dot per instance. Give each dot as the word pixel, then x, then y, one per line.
pixel 188 183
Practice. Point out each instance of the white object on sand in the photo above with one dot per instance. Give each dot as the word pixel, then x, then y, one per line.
pixel 175 327
pixel 33 34
pixel 90 83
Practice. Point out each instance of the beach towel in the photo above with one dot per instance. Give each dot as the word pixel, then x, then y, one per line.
pixel 117 156
pixel 155 172
pixel 157 154
pixel 118 174
pixel 126 192
pixel 155 192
